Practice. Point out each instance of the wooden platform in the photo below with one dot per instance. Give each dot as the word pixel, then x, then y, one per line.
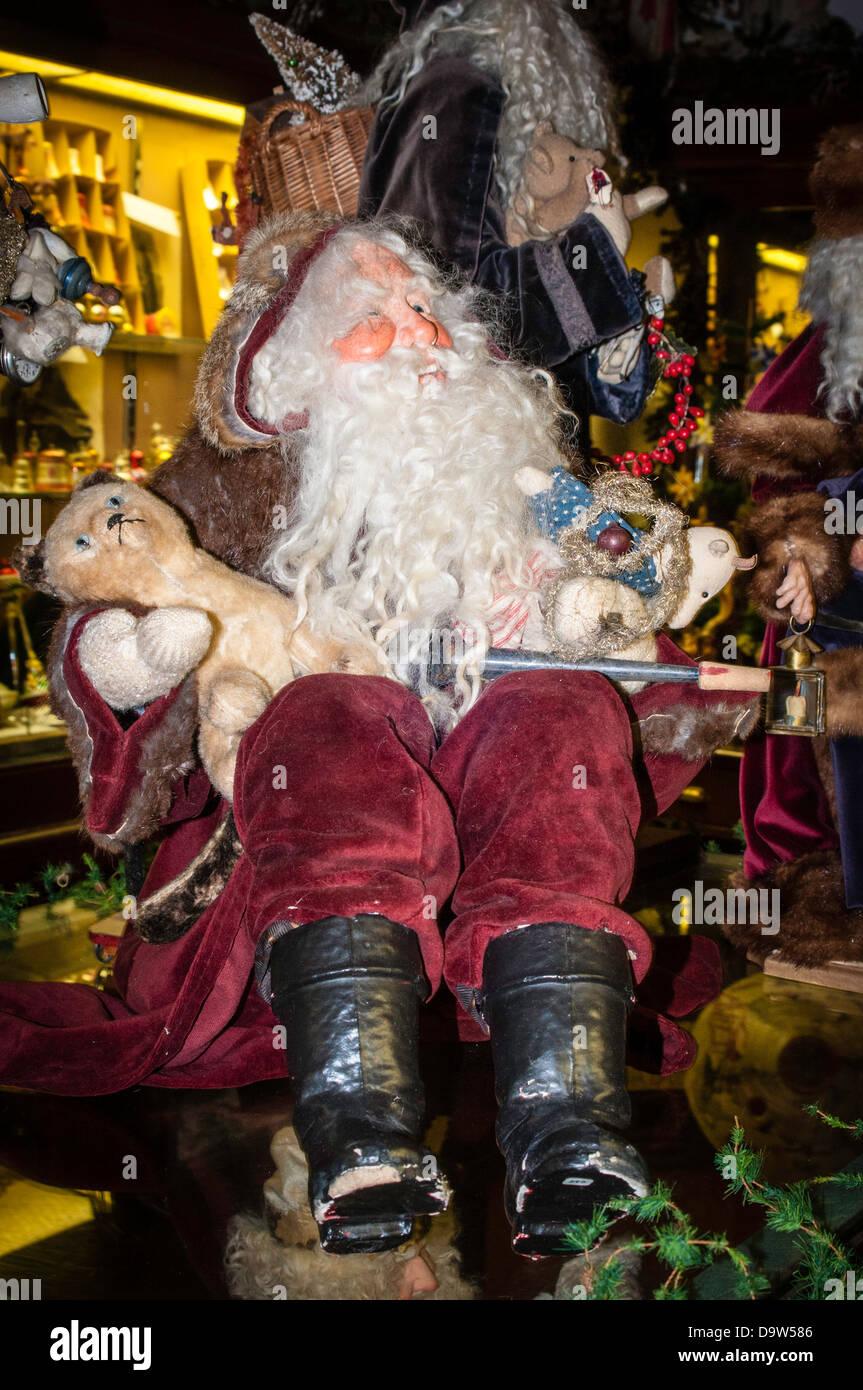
pixel 836 974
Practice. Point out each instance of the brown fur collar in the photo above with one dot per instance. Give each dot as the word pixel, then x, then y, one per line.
pixel 787 527
pixel 263 270
pixel 815 926
pixel 230 500
pixel 695 734
pixel 837 183
pixel 749 444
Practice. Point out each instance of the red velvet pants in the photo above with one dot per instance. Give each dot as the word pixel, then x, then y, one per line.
pixel 526 813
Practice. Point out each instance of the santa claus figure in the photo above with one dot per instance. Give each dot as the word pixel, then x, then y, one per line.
pixel 357 440
pixel 461 98
pixel 800 443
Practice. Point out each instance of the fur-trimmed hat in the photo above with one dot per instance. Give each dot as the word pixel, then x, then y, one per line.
pixel 837 184
pixel 270 272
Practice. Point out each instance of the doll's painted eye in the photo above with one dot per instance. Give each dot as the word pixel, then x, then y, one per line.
pixel 82 543
pixel 115 502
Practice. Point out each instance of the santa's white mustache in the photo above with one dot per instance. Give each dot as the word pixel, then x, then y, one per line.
pixel 406 370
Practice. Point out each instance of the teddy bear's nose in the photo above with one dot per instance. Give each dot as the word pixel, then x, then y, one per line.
pixel 119 520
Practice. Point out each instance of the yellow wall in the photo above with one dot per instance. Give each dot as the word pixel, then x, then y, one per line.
pixel 167 141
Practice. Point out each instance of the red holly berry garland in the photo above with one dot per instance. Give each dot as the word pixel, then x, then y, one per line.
pixel 672 358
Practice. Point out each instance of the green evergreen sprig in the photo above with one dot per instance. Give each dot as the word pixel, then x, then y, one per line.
pixel 97 891
pixel 674 1240
pixel 94 890
pixel 12 901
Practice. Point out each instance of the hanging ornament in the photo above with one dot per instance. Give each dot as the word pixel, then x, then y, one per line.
pixel 309 73
pixel 672 360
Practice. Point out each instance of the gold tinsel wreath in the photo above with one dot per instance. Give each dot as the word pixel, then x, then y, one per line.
pixel 619 492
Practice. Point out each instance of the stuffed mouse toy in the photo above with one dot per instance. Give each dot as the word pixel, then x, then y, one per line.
pixel 116 543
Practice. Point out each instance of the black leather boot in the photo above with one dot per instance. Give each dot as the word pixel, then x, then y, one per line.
pixel 556 998
pixel 347 991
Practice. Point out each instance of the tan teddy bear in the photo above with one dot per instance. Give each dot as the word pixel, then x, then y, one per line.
pixel 116 543
pixel 561 181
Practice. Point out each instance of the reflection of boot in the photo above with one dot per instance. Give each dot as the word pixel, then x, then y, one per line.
pixel 556 998
pixel 347 991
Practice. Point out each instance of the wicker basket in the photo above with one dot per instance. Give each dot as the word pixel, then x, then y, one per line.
pixel 310 167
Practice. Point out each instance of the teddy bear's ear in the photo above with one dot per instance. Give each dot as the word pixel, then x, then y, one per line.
pixel 97 478
pixel 29 561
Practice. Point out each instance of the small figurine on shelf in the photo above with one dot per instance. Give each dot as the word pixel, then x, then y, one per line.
pixel 42 277
pixel 53 473
pixel 226 233
pixel 161 448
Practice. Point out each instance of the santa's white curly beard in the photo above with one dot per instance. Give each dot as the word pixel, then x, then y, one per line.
pixel 407 514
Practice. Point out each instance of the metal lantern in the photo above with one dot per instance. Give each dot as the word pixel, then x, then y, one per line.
pixel 796 700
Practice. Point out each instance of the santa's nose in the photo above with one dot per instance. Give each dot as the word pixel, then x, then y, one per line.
pixel 417 329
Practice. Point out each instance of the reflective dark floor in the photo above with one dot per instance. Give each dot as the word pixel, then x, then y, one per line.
pixel 131 1196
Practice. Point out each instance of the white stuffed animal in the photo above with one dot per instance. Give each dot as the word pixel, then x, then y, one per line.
pixel 49 332
pixel 36 271
pixel 714 560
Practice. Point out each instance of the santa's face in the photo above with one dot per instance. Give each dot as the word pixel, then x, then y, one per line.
pixel 397 314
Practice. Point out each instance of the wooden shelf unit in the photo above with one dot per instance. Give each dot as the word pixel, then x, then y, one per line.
pixel 203 183
pixel 71 173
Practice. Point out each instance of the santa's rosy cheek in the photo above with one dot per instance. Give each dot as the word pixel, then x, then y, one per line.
pixel 367 341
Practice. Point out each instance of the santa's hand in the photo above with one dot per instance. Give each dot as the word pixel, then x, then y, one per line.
pixel 533 481
pixel 132 661
pixel 174 640
pixel 796 590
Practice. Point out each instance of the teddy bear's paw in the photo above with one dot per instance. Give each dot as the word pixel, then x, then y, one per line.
pixel 357 659
pixel 645 200
pixel 107 651
pixel 174 640
pixel 614 220
pixel 218 752
pixel 235 701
